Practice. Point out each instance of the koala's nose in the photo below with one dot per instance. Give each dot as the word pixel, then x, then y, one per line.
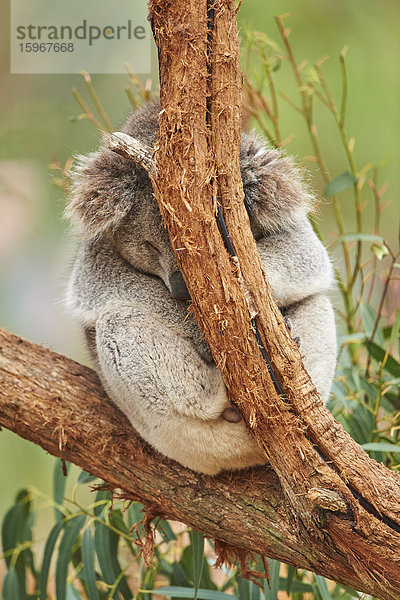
pixel 178 287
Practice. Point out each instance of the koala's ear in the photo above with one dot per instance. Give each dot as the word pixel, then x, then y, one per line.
pixel 103 192
pixel 276 193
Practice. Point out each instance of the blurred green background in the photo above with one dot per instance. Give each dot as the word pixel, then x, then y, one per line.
pixel 35 128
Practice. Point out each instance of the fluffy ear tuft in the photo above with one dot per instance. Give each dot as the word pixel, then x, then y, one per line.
pixel 106 186
pixel 103 192
pixel 275 190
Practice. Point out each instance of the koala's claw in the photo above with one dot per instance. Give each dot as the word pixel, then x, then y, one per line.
pixel 231 414
pixel 297 340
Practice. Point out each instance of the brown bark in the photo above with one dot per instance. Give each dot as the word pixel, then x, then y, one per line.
pixel 195 162
pixel 61 406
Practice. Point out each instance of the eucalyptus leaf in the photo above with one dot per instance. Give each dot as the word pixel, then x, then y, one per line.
pixel 271 589
pixel 182 592
pixel 48 552
pixel 89 572
pixel 85 477
pixel 359 237
pixel 338 184
pixel 103 550
pixel 392 366
pixel 381 447
pixel 70 536
pixel 197 543
pixel 10 589
pixel 322 587
pixel 247 590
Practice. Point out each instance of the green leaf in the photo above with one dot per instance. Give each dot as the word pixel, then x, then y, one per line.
pixel 148 580
pixel 247 590
pixel 89 573
pixel 102 546
pixel 338 184
pixel 322 587
pixel 271 589
pixel 59 480
pixel 118 522
pixel 166 531
pixel 135 515
pixel 106 545
pixel 359 237
pixel 291 571
pixel 85 477
pixel 27 554
pixel 395 329
pixel 71 532
pixel 114 541
pixel 197 543
pixel 10 590
pixel 182 592
pixel 48 552
pixel 381 447
pixel 72 593
pixel 298 587
pixel 102 501
pixel 12 530
pixel 391 364
pixel 16 529
pixel 186 563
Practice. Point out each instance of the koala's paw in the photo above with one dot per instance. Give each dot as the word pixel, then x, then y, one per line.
pixel 231 414
pixel 289 326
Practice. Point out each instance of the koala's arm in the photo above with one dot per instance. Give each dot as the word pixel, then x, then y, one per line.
pixel 172 396
pixel 139 352
pixel 296 263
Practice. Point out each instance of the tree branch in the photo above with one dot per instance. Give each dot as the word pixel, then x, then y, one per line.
pixel 61 406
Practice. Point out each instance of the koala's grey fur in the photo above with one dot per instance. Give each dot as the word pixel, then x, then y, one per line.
pixel 129 297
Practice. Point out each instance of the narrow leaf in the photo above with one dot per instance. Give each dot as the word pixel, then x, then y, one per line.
pixel 71 532
pixel 89 573
pixel 247 590
pixel 391 364
pixel 381 447
pixel 85 477
pixel 338 184
pixel 182 592
pixel 10 590
pixel 166 531
pixel 359 237
pixel 322 587
pixel 197 543
pixel 48 552
pixel 271 590
pixel 103 551
pixel 291 571
pixel 103 499
pixel 114 541
pixel 72 593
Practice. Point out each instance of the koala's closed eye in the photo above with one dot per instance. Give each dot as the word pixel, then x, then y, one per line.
pixel 152 248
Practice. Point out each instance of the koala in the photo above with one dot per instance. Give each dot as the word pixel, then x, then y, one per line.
pixel 128 295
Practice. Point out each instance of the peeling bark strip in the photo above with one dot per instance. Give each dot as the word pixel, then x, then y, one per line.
pixel 61 406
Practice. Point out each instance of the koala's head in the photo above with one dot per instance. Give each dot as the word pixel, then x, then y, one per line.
pixel 113 197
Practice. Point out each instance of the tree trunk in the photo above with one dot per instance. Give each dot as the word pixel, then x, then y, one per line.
pixel 317 463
